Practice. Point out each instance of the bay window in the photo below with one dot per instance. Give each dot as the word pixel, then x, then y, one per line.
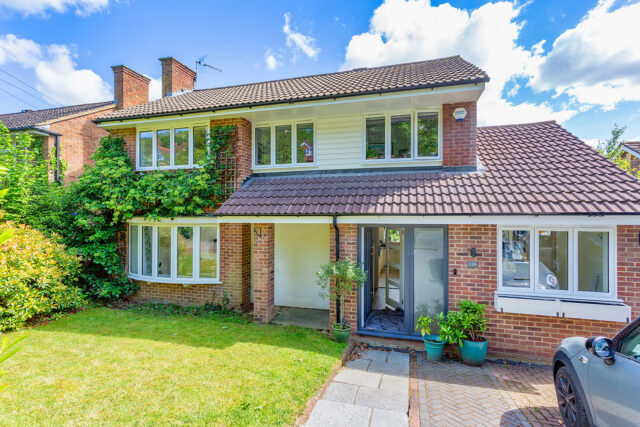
pixel 402 136
pixel 285 144
pixel 570 262
pixel 174 253
pixel 169 147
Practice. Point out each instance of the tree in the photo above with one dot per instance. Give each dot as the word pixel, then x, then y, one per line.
pixel 612 150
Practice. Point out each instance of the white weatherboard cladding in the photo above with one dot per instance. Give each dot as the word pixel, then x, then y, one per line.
pixel 300 250
pixel 340 142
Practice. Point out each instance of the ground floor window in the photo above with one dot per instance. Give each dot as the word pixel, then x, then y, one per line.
pixel 557 260
pixel 174 253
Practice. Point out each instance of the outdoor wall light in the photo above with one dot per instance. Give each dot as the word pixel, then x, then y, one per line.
pixel 473 252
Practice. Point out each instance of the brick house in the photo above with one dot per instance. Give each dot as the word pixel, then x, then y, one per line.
pixel 632 152
pixel 70 128
pixel 394 173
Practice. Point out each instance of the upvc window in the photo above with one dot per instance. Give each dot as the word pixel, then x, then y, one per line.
pixel 170 253
pixel 575 262
pixel 402 136
pixel 284 144
pixel 170 147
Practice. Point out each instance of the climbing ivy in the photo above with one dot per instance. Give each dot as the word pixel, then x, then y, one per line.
pixel 110 192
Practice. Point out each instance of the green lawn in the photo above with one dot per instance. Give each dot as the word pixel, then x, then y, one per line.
pixel 106 366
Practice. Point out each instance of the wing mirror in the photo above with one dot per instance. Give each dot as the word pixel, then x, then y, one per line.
pixel 601 347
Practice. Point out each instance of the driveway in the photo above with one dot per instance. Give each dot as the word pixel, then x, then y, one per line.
pixel 391 388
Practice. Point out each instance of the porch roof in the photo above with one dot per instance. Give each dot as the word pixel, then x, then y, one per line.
pixel 529 169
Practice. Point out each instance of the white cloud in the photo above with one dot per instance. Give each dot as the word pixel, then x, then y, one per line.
pixel 411 30
pixel 55 71
pixel 592 142
pixel 271 61
pixel 155 88
pixel 41 7
pixel 298 41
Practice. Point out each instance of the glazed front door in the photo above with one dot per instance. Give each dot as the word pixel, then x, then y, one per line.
pixel 394 275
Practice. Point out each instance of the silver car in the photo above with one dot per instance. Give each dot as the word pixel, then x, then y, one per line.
pixel 597 380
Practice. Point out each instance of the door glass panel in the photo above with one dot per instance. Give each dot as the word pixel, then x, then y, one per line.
pixel 181 146
pixel 428 272
pixel 199 144
pixel 593 261
pixel 164 251
pixel 147 251
pixel 208 251
pixel 375 138
pixel 553 255
pixel 185 252
pixel 304 139
pixel 146 149
pixel 400 137
pixel 427 134
pixel 163 137
pixel 394 272
pixel 516 251
pixel 263 146
pixel 133 249
pixel 283 145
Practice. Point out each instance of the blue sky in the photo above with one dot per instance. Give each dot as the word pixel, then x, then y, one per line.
pixel 573 61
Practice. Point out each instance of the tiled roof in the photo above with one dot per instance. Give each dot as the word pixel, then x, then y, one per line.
pixel 415 75
pixel 635 146
pixel 537 168
pixel 30 118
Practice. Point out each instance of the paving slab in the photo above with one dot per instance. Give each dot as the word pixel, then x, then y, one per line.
pixel 358 377
pixel 341 392
pixel 382 399
pixel 398 357
pixel 327 413
pixel 362 364
pixel 383 418
pixel 397 369
pixel 377 355
pixel 398 384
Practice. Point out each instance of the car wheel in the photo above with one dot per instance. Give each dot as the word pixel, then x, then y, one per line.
pixel 572 408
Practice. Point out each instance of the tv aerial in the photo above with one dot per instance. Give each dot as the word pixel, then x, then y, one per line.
pixel 201 64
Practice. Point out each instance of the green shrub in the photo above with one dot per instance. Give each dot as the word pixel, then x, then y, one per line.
pixel 469 323
pixel 37 276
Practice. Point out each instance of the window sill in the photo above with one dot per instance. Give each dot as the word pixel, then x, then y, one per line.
pixel 167 168
pixel 609 310
pixel 184 282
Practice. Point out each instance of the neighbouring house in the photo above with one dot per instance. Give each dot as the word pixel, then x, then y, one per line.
pixel 632 152
pixel 68 133
pixel 388 167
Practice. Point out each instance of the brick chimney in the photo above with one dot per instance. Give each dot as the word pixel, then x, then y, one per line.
pixel 129 88
pixel 176 77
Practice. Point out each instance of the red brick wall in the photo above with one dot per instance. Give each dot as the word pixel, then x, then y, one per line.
pixel 129 88
pixel 79 140
pixel 528 336
pixel 235 263
pixel 176 76
pixel 241 146
pixel 263 286
pixel 129 136
pixel 171 293
pixel 459 138
pixel 348 249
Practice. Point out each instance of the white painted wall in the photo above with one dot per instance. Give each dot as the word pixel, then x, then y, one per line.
pixel 300 250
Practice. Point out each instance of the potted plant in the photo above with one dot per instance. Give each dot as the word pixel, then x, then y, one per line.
pixel 432 343
pixel 346 276
pixel 465 327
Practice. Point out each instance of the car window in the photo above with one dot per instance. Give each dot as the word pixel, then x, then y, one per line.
pixel 631 344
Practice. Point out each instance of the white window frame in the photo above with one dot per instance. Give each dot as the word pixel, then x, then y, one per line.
pixel 414 135
pixel 154 145
pixel 174 253
pixel 573 292
pixel 294 144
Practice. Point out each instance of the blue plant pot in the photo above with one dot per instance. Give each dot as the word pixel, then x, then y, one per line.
pixel 473 352
pixel 434 347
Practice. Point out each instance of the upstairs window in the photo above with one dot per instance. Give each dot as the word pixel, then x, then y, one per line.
pixel 172 147
pixel 397 137
pixel 286 144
